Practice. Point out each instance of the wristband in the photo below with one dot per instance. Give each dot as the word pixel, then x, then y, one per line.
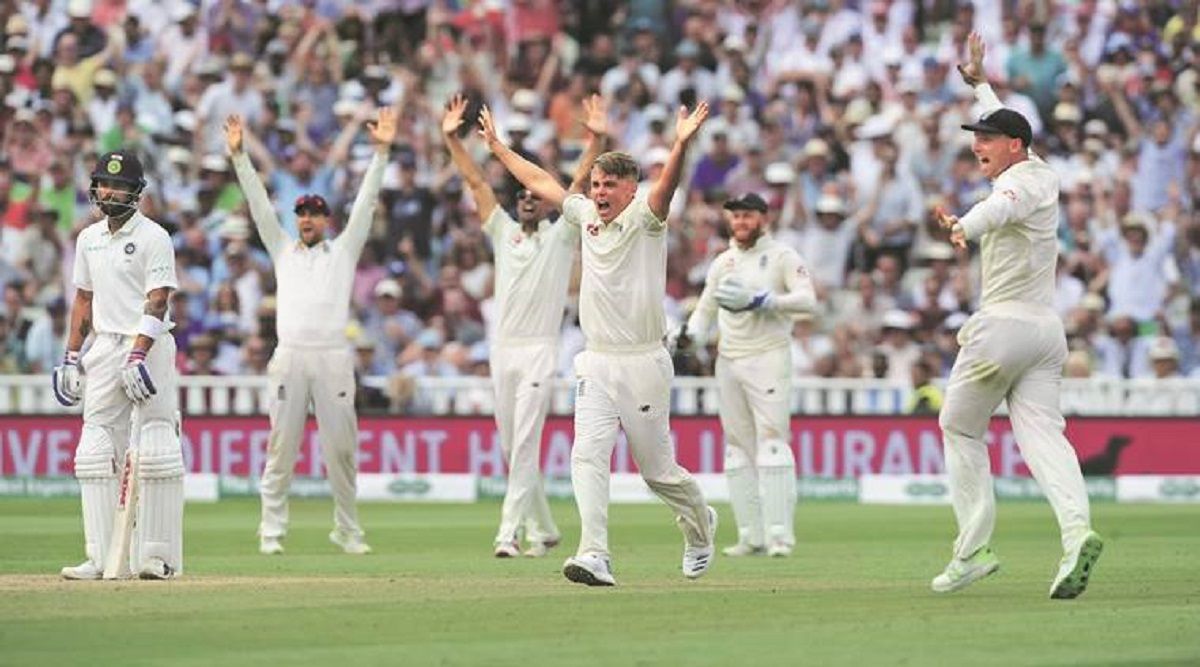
pixel 71 357
pixel 136 355
pixel 152 327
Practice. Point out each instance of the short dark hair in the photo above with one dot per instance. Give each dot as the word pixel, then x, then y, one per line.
pixel 621 165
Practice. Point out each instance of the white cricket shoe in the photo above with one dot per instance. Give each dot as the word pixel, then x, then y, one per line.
pixel 539 549
pixel 270 546
pixel 589 569
pixel 85 571
pixel 507 550
pixel 779 550
pixel 1076 568
pixel 352 544
pixel 697 559
pixel 742 549
pixel 960 572
pixel 156 569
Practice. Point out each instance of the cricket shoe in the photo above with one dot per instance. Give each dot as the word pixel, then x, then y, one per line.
pixel 589 569
pixel 1076 567
pixel 85 571
pixel 961 573
pixel 742 549
pixel 697 559
pixel 351 543
pixel 269 546
pixel 779 550
pixel 156 569
pixel 507 550
pixel 539 549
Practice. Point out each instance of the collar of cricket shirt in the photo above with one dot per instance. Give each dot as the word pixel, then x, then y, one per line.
pixel 127 227
pixel 760 243
pixel 323 245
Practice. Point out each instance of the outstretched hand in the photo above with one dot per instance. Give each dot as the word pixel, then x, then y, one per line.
pixel 233 134
pixel 950 223
pixel 487 128
pixel 595 116
pixel 383 128
pixel 972 70
pixel 686 124
pixel 453 118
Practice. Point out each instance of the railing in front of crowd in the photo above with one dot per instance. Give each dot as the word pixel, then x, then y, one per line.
pixel 248 395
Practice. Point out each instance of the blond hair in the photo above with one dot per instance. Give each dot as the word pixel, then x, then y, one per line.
pixel 621 165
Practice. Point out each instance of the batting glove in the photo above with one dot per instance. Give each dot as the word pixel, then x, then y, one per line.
pixel 136 378
pixel 67 380
pixel 735 297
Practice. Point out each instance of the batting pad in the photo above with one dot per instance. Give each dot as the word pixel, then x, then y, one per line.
pixel 95 469
pixel 744 496
pixel 777 481
pixel 160 507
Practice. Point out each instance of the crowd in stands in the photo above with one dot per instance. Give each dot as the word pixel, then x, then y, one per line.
pixel 843 114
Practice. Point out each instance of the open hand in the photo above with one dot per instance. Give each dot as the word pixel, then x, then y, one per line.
pixel 686 123
pixel 972 70
pixel 233 134
pixel 950 223
pixel 383 128
pixel 595 116
pixel 453 118
pixel 487 127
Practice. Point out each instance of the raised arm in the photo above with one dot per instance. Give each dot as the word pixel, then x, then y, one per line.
pixel 537 180
pixel 452 120
pixel 595 121
pixel 383 133
pixel 975 76
pixel 685 130
pixel 261 211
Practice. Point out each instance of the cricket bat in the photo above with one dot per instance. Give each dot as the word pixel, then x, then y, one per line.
pixel 116 561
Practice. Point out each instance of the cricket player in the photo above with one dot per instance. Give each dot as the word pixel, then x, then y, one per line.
pixel 534 259
pixel 624 374
pixel 754 289
pixel 1013 349
pixel 124 275
pixel 314 362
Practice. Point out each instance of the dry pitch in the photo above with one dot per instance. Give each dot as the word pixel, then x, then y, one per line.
pixel 856 592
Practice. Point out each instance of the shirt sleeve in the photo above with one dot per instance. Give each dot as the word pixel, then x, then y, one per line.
pixel 800 296
pixel 646 217
pixel 578 210
pixel 986 97
pixel 82 273
pixel 160 264
pixel 493 223
pixel 706 308
pixel 262 212
pixel 1007 202
pixel 363 210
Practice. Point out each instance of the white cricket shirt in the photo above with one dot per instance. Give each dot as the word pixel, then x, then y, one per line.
pixel 532 272
pixel 1017 229
pixel 120 269
pixel 313 284
pixel 768 265
pixel 624 275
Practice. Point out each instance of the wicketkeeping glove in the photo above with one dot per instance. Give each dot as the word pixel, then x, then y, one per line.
pixel 136 378
pixel 68 380
pixel 735 297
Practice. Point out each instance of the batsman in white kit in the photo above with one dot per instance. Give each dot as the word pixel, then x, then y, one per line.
pixel 313 363
pixel 754 289
pixel 534 259
pixel 124 275
pixel 624 373
pixel 1013 348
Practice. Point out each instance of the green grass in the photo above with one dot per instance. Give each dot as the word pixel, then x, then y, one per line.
pixel 856 592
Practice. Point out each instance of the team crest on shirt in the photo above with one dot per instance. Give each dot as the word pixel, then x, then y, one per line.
pixel 517 238
pixel 1011 194
pixel 129 248
pixel 593 229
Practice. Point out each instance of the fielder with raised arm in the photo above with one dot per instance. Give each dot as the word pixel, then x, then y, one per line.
pixel 754 289
pixel 1013 349
pixel 624 374
pixel 313 362
pixel 534 259
pixel 124 275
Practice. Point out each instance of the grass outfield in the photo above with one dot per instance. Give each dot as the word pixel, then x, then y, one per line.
pixel 856 592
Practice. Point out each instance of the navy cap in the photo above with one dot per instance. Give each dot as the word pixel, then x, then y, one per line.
pixel 312 203
pixel 1004 121
pixel 747 202
pixel 120 166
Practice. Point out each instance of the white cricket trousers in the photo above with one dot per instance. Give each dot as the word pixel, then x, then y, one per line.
pixel 629 391
pixel 324 377
pixel 1011 351
pixel 111 423
pixel 755 413
pixel 522 377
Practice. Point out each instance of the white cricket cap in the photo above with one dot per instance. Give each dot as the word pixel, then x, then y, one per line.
pixel 816 148
pixel 519 122
pixel 830 203
pixel 79 9
pixel 525 100
pixel 1092 301
pixel 179 155
pixel 388 287
pixel 105 78
pixel 345 107
pixel 214 162
pixel 733 93
pixel 1095 127
pixel 235 227
pixel 1163 348
pixel 1065 112
pixel 182 12
pixel 734 43
pixel 897 319
pixel 779 173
